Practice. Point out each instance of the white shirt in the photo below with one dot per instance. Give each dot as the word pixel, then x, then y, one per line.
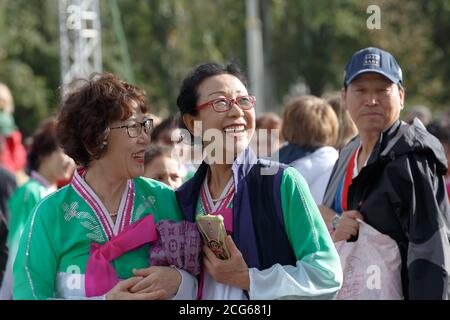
pixel 316 169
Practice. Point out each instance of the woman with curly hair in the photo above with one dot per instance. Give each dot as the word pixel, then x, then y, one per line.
pixel 91 239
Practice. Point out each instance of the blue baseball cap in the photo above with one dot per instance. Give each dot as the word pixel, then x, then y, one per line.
pixel 373 60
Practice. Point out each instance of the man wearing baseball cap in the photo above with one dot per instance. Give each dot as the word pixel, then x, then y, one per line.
pixel 391 176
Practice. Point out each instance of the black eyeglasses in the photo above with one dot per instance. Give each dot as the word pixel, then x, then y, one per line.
pixel 224 104
pixel 135 129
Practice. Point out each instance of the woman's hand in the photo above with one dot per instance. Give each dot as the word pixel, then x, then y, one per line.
pixel 347 225
pixel 121 291
pixel 233 271
pixel 155 279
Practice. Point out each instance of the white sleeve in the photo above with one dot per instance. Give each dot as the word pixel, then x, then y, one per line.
pixel 6 287
pixel 186 291
pixel 188 287
pixel 317 273
pixel 303 281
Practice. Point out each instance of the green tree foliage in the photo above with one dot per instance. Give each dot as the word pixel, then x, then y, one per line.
pixel 436 74
pixel 29 58
pixel 316 38
pixel 167 37
pixel 311 41
pixel 306 42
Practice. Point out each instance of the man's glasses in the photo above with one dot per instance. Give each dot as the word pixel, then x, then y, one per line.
pixel 134 130
pixel 225 104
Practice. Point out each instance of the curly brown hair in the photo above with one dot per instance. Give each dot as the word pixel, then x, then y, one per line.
pixel 87 112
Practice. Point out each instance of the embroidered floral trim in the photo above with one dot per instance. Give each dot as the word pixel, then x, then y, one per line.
pixel 87 220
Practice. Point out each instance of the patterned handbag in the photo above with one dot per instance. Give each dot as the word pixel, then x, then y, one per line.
pixel 179 244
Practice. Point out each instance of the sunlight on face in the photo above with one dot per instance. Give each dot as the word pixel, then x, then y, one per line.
pixel 125 155
pixel 373 102
pixel 225 134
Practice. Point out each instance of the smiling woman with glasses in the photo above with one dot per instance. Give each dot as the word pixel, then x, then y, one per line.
pixel 225 104
pixel 279 244
pixel 101 227
pixel 135 129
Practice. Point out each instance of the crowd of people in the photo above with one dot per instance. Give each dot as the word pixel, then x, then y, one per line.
pixel 104 202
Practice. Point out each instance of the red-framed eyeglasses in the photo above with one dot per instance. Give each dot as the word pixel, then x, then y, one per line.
pixel 225 104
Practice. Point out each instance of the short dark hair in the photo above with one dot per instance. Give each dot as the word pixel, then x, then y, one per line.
pixel 155 151
pixel 188 95
pixel 88 111
pixel 44 143
pixel 170 123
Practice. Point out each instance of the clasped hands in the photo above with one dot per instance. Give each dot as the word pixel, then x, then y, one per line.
pixel 153 283
pixel 158 283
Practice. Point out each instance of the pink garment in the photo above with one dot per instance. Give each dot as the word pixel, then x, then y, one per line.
pixel 221 208
pixel 179 245
pixel 227 214
pixel 100 274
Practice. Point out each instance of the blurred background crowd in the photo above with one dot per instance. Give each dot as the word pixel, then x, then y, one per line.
pixel 153 43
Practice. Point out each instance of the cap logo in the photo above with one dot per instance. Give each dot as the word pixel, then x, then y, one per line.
pixel 372 60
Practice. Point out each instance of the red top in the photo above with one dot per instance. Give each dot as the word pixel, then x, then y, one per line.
pixel 348 181
pixel 13 155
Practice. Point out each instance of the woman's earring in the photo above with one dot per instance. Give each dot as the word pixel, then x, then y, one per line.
pixel 103 145
pixel 105 139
